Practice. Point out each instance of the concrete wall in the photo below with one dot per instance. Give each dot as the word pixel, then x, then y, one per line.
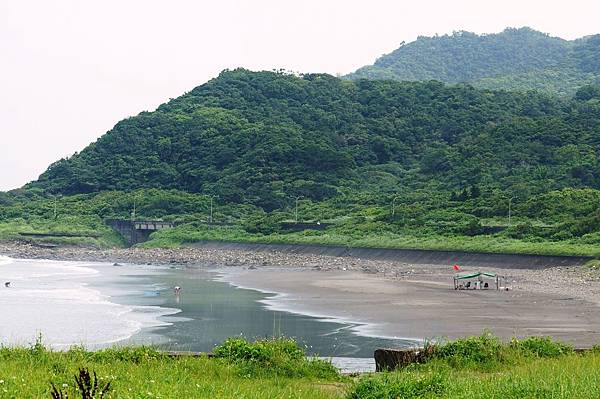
pixel 138 231
pixel 413 256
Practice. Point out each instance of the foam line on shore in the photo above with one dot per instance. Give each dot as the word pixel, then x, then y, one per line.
pixel 5 260
pixel 285 302
pixel 55 299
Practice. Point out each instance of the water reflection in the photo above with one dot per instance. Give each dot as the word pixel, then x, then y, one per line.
pixel 212 311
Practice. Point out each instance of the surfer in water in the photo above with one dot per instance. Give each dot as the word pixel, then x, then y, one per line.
pixel 7 284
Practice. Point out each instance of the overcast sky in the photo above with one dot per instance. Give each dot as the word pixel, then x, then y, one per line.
pixel 69 70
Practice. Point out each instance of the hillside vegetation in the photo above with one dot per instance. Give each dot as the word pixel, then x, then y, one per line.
pixel 386 163
pixel 515 59
pixel 263 137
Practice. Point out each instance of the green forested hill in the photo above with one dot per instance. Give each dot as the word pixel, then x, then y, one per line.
pixel 384 163
pixel 515 59
pixel 264 137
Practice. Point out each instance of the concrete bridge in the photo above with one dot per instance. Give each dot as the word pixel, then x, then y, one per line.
pixel 136 231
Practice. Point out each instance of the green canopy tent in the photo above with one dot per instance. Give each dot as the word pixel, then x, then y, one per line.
pixel 478 277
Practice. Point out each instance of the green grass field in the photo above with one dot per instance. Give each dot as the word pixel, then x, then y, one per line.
pixel 564 222
pixel 477 367
pixel 570 377
pixel 270 371
pixel 77 231
pixel 104 237
pixel 485 244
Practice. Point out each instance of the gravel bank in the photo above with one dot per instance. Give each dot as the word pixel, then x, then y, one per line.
pixel 566 282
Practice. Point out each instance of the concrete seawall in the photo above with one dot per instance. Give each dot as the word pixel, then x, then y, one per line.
pixel 414 256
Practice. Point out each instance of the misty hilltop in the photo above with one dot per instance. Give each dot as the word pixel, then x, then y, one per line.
pixel 515 59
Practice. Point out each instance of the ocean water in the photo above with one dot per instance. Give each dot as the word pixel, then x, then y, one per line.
pixel 100 304
pixel 56 301
pixel 212 311
pixel 4 260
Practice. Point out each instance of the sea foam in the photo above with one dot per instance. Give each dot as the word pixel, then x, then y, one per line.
pixel 5 260
pixel 56 300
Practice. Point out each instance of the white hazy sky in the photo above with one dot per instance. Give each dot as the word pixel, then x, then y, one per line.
pixel 71 69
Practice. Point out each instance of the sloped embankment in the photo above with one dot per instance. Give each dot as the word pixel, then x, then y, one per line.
pixel 511 261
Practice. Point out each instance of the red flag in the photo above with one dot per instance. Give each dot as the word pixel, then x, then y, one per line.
pixel 456 267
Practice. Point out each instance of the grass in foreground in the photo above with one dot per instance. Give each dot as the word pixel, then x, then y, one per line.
pixel 266 369
pixel 570 377
pixel 483 367
pixel 473 368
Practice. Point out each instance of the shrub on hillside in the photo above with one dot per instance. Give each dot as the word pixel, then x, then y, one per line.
pixel 520 230
pixel 263 224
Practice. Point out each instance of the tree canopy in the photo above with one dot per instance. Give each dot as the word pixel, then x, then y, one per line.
pixel 515 59
pixel 264 137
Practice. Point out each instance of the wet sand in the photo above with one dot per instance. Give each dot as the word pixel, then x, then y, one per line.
pixel 390 297
pixel 423 306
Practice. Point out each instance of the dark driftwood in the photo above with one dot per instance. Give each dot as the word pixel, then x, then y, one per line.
pixel 391 359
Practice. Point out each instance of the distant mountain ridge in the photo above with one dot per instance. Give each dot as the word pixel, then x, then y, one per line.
pixel 515 59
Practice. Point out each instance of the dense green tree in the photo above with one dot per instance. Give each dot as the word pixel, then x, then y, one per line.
pixel 588 92
pixel 264 138
pixel 588 54
pixel 515 59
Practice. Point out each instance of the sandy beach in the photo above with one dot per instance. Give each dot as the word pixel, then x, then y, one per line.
pixel 423 307
pixel 388 298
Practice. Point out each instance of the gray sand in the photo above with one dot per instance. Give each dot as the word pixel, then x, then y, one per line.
pixel 393 298
pixel 424 306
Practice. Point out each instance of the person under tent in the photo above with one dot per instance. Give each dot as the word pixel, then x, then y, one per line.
pixel 476 280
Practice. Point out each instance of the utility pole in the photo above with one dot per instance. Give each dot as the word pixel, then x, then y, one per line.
pixel 394 205
pixel 212 197
pixel 509 209
pixel 133 213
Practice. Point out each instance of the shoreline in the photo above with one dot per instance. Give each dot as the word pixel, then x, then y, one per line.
pixel 423 310
pixel 71 303
pixel 276 299
pixel 571 280
pixel 562 302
